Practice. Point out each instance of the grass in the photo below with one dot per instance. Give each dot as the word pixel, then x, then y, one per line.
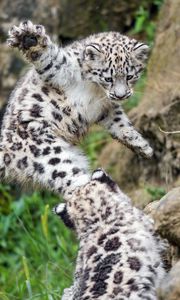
pixel 37 251
pixel 156 193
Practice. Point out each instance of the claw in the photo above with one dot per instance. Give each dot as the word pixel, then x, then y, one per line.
pixel 14 31
pixel 12 42
pixel 45 41
pixel 27 26
pixel 40 29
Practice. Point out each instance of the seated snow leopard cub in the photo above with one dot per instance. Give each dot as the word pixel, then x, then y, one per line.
pixel 119 256
pixel 67 90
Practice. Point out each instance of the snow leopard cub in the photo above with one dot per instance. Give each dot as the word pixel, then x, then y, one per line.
pixel 119 256
pixel 67 90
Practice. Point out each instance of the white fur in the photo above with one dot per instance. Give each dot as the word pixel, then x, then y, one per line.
pixel 59 208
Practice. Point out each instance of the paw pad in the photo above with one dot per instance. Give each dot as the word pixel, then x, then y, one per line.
pixel 29 41
pixel 27 35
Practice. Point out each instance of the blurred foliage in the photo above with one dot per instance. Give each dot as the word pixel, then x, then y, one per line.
pixel 93 143
pixel 37 251
pixel 144 23
pixel 156 192
pixel 5 198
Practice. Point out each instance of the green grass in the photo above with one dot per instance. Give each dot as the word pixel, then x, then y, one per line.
pixel 156 193
pixel 145 21
pixel 31 237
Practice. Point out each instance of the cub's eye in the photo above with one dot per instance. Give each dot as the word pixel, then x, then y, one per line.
pixel 108 79
pixel 129 77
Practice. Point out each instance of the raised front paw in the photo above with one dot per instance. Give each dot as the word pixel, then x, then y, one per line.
pixel 27 35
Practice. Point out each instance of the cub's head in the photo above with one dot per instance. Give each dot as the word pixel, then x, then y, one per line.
pixel 91 205
pixel 114 62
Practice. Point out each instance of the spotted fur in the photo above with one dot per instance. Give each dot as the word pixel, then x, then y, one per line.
pixel 119 254
pixel 63 94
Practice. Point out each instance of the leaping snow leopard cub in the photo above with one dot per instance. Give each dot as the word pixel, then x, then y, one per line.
pixel 119 256
pixel 67 90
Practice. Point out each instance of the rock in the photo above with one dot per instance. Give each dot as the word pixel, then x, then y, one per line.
pixel 167 216
pixel 170 287
pixel 150 209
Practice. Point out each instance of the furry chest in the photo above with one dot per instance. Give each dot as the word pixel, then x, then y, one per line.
pixel 88 100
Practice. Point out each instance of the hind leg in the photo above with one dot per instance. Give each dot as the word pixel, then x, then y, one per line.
pixel 55 164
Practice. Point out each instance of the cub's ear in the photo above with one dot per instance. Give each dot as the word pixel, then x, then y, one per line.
pixel 101 176
pixel 92 52
pixel 140 51
pixel 62 212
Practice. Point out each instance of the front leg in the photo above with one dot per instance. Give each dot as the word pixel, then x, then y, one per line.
pixel 39 50
pixel 74 292
pixel 120 127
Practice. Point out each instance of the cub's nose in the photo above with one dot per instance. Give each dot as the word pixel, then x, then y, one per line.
pixel 116 96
